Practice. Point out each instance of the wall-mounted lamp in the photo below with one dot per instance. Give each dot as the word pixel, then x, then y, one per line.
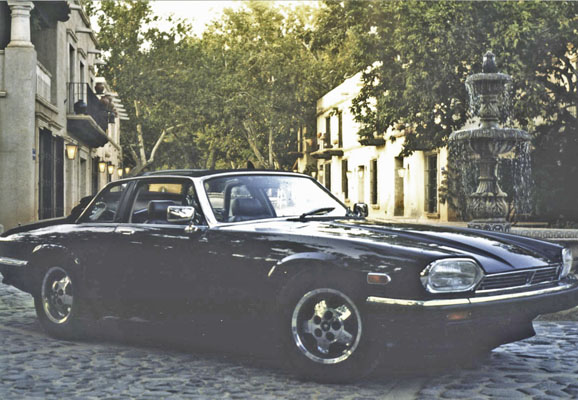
pixel 110 169
pixel 314 174
pixel 401 172
pixel 360 172
pixel 71 150
pixel 102 167
pixel 120 171
pixel 126 170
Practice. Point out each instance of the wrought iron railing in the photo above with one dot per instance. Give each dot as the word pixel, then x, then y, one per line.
pixel 82 100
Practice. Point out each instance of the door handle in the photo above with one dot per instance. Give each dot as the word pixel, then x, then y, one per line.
pixel 125 231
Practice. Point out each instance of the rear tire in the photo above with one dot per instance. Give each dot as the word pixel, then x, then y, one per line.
pixel 57 304
pixel 323 331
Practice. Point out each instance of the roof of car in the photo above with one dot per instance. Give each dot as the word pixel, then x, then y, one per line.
pixel 202 172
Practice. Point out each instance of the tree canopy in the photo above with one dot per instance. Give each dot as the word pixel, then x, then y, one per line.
pixel 245 88
pixel 240 92
pixel 422 53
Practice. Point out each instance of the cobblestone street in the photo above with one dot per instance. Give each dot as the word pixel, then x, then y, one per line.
pixel 33 365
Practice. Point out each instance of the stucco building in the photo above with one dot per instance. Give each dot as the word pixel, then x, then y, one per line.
pixel 59 122
pixel 371 171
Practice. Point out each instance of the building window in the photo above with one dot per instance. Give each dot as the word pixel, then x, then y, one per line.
pixel 94 176
pixel 344 180
pixel 51 183
pixel 83 174
pixel 82 73
pixel 71 64
pixel 327 175
pixel 340 129
pixel 431 183
pixel 399 175
pixel 361 184
pixel 373 181
pixel 327 141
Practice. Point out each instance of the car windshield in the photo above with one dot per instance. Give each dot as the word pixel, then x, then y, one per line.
pixel 237 198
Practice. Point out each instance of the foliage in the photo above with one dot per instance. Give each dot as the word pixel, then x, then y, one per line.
pixel 143 64
pixel 423 52
pixel 243 90
pixel 240 92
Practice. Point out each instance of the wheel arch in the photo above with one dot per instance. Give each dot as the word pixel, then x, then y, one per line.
pixel 312 265
pixel 46 255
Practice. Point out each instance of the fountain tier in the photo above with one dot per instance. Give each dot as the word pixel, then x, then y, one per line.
pixel 488 92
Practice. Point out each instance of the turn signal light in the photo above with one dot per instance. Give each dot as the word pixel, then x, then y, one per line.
pixel 458 316
pixel 376 278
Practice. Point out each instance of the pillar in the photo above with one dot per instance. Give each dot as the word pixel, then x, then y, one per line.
pixel 17 122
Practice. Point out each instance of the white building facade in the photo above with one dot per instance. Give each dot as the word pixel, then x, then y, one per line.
pixel 371 171
pixel 59 122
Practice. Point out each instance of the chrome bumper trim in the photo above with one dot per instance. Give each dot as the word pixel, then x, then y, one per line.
pixel 13 262
pixel 469 300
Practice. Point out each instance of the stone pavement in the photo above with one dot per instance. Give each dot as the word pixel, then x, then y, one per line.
pixel 32 365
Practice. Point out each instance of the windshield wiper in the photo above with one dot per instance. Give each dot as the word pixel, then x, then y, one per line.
pixel 322 210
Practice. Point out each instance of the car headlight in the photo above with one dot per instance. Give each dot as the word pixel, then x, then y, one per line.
pixel 451 275
pixel 567 261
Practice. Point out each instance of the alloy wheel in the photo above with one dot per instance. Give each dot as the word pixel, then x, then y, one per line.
pixel 57 295
pixel 326 326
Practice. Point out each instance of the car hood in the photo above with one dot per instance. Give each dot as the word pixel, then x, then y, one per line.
pixel 495 252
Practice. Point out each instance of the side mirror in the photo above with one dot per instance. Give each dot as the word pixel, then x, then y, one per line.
pixel 360 210
pixel 178 214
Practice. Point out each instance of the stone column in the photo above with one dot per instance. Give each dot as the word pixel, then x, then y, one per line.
pixel 17 123
pixel 20 30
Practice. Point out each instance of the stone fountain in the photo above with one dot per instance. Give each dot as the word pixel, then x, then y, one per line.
pixel 488 101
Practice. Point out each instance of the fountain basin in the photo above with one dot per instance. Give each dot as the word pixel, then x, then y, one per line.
pixel 493 133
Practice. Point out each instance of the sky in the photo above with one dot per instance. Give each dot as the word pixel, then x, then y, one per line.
pixel 198 12
pixel 201 12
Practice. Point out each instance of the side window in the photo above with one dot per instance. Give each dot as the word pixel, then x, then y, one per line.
pixel 153 198
pixel 105 207
pixel 236 201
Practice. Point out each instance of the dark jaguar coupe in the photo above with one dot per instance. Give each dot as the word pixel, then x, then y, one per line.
pixel 338 291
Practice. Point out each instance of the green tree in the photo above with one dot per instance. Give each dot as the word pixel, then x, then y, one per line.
pixel 269 79
pixel 422 53
pixel 145 66
pixel 240 92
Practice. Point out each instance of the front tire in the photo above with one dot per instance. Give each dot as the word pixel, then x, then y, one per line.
pixel 323 332
pixel 56 303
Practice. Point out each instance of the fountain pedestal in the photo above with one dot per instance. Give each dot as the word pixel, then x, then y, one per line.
pixel 488 203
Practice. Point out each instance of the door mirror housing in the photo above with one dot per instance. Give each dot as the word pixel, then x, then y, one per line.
pixel 180 214
pixel 360 210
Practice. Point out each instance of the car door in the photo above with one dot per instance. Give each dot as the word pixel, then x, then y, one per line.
pixel 93 239
pixel 160 278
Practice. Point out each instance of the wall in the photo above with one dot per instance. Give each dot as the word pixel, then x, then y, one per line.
pixel 359 158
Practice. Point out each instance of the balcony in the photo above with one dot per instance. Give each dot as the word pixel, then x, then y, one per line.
pixel 326 151
pixel 372 141
pixel 87 115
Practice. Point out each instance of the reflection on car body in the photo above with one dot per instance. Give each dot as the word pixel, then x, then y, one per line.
pixel 339 291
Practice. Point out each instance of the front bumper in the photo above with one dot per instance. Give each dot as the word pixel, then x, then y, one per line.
pixel 490 319
pixel 562 296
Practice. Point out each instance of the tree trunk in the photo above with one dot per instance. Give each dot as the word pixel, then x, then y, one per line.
pixel 251 139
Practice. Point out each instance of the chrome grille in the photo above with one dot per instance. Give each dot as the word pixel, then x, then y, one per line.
pixel 510 280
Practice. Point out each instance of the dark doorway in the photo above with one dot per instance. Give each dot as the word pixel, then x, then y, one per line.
pixel 399 175
pixel 51 182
